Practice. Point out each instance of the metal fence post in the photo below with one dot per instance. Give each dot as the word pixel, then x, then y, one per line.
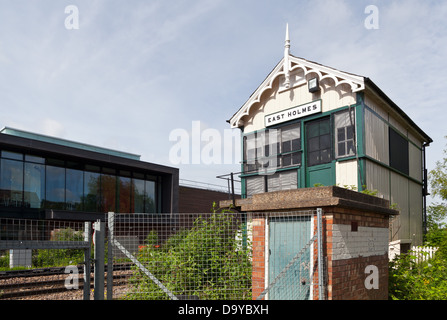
pixel 99 260
pixel 320 254
pixel 110 219
pixel 87 260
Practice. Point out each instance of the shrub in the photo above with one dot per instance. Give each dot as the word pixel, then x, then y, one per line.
pixel 60 257
pixel 207 261
pixel 409 280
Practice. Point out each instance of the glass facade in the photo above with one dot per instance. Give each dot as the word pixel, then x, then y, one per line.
pixel 28 181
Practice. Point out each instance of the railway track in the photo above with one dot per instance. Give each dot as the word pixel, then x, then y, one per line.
pixel 26 284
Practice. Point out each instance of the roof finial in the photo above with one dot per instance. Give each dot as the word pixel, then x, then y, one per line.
pixel 286 59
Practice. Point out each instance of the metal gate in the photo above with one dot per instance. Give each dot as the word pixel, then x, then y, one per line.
pixel 295 259
pixel 287 235
pixel 38 248
pixel 182 256
pixel 211 255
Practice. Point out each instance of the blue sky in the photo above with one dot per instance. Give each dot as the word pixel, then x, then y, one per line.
pixel 135 70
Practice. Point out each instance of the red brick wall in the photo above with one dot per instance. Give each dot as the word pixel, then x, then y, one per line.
pixel 196 200
pixel 348 278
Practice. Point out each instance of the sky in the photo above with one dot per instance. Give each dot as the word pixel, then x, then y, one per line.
pixel 128 75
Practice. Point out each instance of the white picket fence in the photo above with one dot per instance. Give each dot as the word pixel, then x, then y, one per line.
pixel 423 253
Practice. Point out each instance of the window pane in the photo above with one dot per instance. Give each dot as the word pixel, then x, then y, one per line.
pixel 296 158
pixel 350 132
pixel 399 153
pixel 325 127
pixel 313 130
pixel 250 147
pixel 138 196
pixel 55 193
pixel 325 156
pixel 325 141
pixel 296 144
pixel 290 137
pixel 150 196
pixel 286 146
pixel 341 134
pixel 314 144
pixel 341 149
pixel 319 147
pixel 286 160
pixel 260 144
pixel 345 130
pixel 124 194
pixel 350 147
pixel 314 158
pixel 12 155
pixel 34 188
pixel 108 193
pixel 29 158
pixel 11 183
pixel 74 189
pixel 91 191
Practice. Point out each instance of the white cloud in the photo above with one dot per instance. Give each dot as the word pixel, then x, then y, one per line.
pixel 52 127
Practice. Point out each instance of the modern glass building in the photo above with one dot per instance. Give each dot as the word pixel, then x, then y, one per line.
pixel 50 178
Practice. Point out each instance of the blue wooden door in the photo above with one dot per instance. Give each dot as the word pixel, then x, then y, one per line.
pixel 287 237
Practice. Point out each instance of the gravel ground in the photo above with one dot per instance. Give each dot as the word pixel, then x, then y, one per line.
pixel 118 290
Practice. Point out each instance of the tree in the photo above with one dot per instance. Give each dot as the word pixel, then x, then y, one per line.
pixel 437 212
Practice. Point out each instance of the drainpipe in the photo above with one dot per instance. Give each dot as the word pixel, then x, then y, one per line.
pixel 425 192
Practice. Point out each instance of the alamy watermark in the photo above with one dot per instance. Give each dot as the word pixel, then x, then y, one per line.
pixel 210 146
pixel 72 20
pixel 372 20
pixel 72 280
pixel 372 280
pixel 204 146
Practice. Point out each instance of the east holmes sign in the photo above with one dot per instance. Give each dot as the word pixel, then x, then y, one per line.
pixel 293 113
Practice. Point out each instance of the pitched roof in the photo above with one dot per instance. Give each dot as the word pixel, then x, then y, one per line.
pixel 357 83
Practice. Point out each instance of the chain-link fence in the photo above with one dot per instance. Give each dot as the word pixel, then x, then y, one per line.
pixel 44 259
pixel 216 256
pixel 188 256
pixel 208 256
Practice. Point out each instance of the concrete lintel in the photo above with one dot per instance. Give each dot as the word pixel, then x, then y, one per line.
pixel 318 197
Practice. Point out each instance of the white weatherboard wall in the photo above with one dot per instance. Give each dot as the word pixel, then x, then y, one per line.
pixel 365 242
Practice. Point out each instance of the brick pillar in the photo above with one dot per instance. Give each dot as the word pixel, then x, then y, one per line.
pixel 355 231
pixel 258 273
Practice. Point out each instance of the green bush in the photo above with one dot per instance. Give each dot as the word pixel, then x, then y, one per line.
pixel 4 260
pixel 60 257
pixel 208 261
pixel 409 280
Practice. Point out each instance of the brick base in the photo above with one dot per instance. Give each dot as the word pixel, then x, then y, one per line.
pixel 348 279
